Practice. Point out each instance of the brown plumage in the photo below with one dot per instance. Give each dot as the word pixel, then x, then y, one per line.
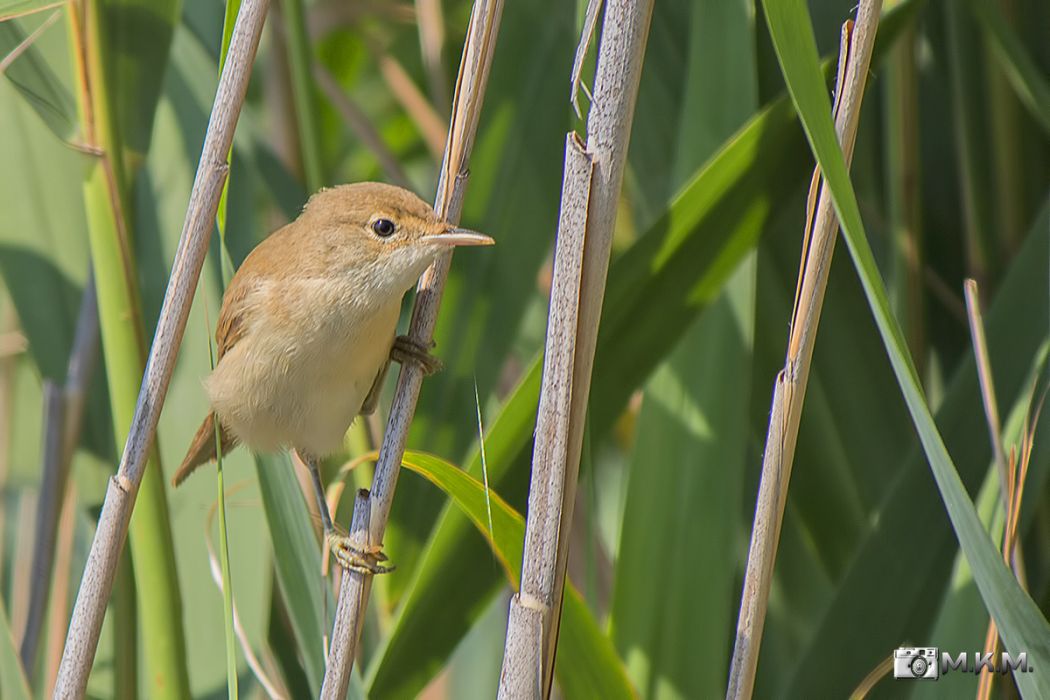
pixel 307 323
pixel 227 333
pixel 202 449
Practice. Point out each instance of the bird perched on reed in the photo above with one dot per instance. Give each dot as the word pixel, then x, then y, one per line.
pixel 307 331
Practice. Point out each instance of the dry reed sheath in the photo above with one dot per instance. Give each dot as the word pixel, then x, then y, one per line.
pixel 790 388
pixel 590 194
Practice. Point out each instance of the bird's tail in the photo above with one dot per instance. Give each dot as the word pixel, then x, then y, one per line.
pixel 202 449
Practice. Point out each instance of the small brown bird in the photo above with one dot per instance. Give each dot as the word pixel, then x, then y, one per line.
pixel 307 330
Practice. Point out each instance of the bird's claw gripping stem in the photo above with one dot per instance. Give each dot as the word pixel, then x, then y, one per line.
pixel 407 350
pixel 352 558
pixel 364 560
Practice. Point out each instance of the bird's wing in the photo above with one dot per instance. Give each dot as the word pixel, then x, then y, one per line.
pixel 273 259
pixel 231 327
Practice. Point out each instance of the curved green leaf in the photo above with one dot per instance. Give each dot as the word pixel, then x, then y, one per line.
pixel 587 665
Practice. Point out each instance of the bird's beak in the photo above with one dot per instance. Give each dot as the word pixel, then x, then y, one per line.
pixel 461 236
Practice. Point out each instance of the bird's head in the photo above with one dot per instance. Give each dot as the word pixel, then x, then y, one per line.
pixel 381 234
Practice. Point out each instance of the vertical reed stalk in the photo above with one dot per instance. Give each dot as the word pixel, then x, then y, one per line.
pixel 358 122
pixel 1016 478
pixel 61 430
pixel 99 573
pixel 60 586
pixel 790 388
pixel 1006 140
pixel 374 508
pixel 984 377
pixel 991 413
pixel 973 183
pixel 901 116
pixel 532 610
pixel 106 194
pixel 226 265
pixel 126 638
pixel 431 21
pixel 431 124
pixel 590 195
pixel 299 69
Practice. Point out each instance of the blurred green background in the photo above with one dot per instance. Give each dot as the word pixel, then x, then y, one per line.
pixel 952 169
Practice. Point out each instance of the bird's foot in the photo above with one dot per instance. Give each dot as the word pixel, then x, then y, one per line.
pixel 407 350
pixel 362 560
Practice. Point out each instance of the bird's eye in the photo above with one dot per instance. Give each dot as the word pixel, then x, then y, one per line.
pixel 383 227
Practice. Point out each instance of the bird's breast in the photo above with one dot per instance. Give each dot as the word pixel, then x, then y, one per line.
pixel 302 373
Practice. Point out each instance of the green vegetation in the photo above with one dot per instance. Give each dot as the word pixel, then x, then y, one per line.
pixel 893 520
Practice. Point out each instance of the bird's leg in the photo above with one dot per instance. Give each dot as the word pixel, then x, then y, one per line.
pixel 407 349
pixel 365 561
